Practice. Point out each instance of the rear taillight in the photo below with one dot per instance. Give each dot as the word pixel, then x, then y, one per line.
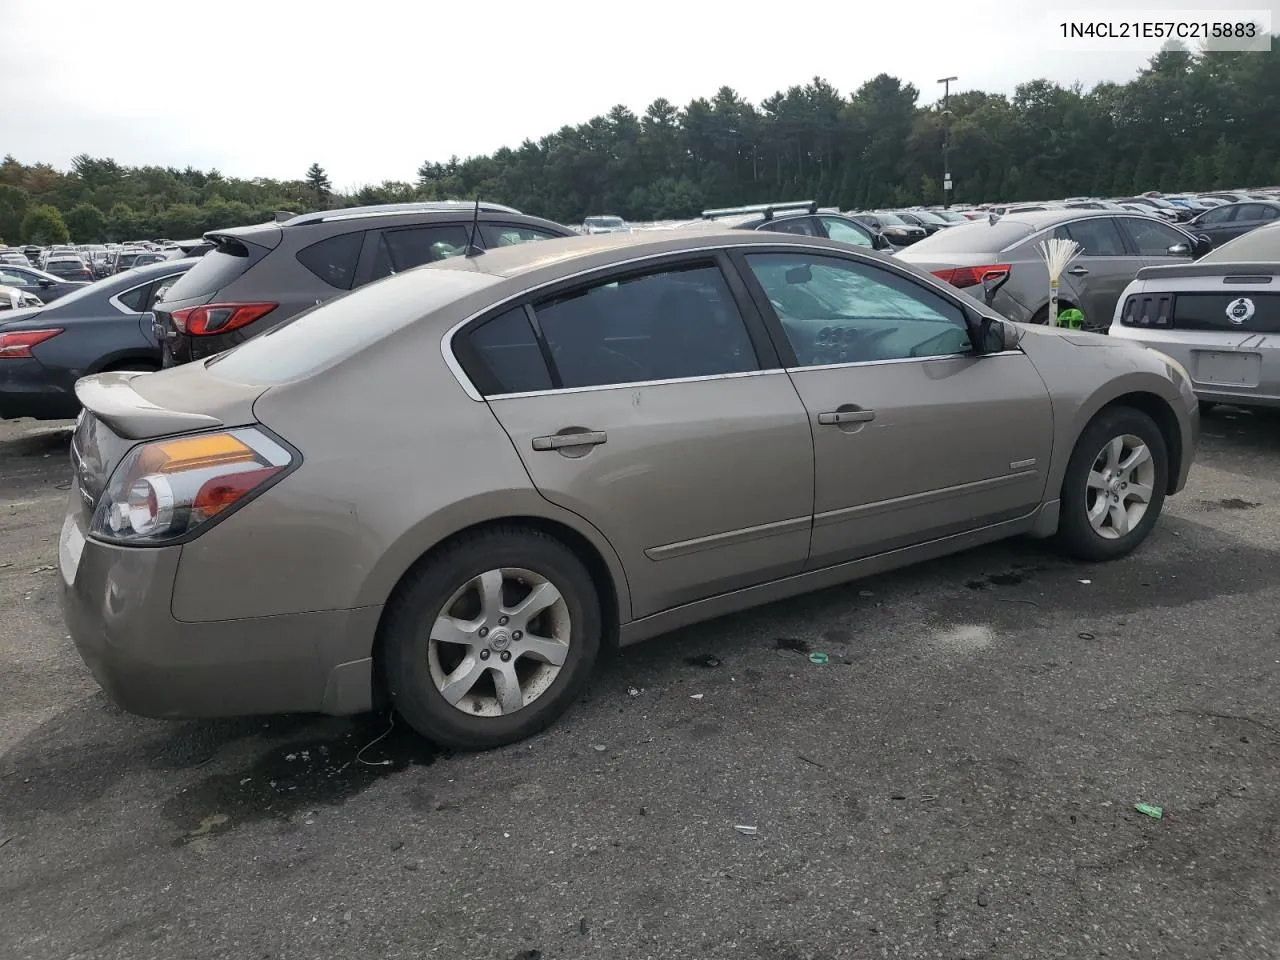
pixel 218 317
pixel 1148 310
pixel 19 344
pixel 168 489
pixel 972 276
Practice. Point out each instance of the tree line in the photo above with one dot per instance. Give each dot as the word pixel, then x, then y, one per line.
pixel 1188 121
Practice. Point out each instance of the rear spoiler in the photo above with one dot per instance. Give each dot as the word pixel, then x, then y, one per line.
pixel 1255 272
pixel 264 235
pixel 111 398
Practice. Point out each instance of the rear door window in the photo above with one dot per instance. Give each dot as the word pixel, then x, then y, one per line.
pixel 333 259
pixel 502 355
pixel 509 234
pixel 846 232
pixel 1097 236
pixel 400 250
pixel 801 225
pixel 672 324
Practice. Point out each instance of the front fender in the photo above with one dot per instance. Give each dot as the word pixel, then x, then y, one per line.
pixel 1086 373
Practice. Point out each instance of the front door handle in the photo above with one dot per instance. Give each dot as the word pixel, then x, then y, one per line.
pixel 558 441
pixel 1078 271
pixel 846 416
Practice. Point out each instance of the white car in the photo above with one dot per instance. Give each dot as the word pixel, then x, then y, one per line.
pixel 11 298
pixel 1219 317
pixel 607 224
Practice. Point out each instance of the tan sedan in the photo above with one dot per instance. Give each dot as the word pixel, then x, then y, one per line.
pixel 455 486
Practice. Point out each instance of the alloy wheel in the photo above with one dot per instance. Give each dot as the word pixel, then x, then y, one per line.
pixel 1119 486
pixel 500 642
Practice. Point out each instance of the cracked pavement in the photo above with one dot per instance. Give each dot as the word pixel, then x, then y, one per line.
pixel 957 782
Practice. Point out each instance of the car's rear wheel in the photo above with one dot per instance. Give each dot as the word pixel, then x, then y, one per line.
pixel 492 639
pixel 1115 485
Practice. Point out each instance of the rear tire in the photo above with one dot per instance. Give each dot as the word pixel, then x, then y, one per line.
pixel 457 635
pixel 1114 487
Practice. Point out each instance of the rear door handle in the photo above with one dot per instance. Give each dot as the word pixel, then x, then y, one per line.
pixel 558 441
pixel 1078 271
pixel 846 416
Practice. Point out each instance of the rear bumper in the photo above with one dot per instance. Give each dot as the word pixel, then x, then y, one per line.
pixel 116 602
pixel 1258 382
pixel 27 390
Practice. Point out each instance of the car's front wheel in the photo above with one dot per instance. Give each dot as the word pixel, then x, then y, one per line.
pixel 492 639
pixel 1115 485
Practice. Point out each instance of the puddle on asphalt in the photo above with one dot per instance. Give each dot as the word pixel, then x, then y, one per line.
pixel 794 644
pixel 704 660
pixel 1018 573
pixel 297 777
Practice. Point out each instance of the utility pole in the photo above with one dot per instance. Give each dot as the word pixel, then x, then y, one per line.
pixel 946 141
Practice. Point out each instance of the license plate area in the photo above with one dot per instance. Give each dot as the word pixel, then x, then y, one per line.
pixel 70 548
pixel 1228 368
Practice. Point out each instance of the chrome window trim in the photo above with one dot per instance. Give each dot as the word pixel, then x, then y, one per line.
pixel 880 363
pixel 634 384
pixel 869 258
pixel 124 308
pixel 1116 214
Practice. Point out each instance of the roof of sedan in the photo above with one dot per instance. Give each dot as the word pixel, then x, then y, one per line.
pixel 570 253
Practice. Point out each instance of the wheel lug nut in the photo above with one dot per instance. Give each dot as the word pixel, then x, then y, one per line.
pixel 517 635
pixel 484 654
pixel 506 655
pixel 502 621
pixel 484 631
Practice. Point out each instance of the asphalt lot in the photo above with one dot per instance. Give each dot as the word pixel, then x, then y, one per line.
pixel 958 781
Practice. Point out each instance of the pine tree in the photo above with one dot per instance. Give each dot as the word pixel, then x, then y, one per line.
pixel 319 183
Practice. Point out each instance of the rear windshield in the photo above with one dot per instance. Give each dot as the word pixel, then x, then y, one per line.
pixel 320 337
pixel 226 262
pixel 1253 247
pixel 977 236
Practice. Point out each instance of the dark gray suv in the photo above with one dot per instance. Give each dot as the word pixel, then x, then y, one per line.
pixel 257 277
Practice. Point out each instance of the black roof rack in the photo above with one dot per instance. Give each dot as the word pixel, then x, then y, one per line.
pixel 395 209
pixel 768 209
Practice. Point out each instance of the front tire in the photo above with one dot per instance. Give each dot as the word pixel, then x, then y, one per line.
pixel 492 639
pixel 1115 485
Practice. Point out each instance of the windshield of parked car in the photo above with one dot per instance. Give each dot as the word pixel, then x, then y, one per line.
pixel 890 218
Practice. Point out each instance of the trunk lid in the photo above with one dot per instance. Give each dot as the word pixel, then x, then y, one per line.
pixel 139 406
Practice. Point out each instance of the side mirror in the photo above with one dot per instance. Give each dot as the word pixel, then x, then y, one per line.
pixel 991 336
pixel 45 282
pixel 1179 250
pixel 1203 244
pixel 880 242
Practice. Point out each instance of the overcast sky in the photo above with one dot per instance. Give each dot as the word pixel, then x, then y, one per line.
pixel 371 88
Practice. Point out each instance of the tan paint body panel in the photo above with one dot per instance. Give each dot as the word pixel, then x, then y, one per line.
pixel 702 485
pixel 925 466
